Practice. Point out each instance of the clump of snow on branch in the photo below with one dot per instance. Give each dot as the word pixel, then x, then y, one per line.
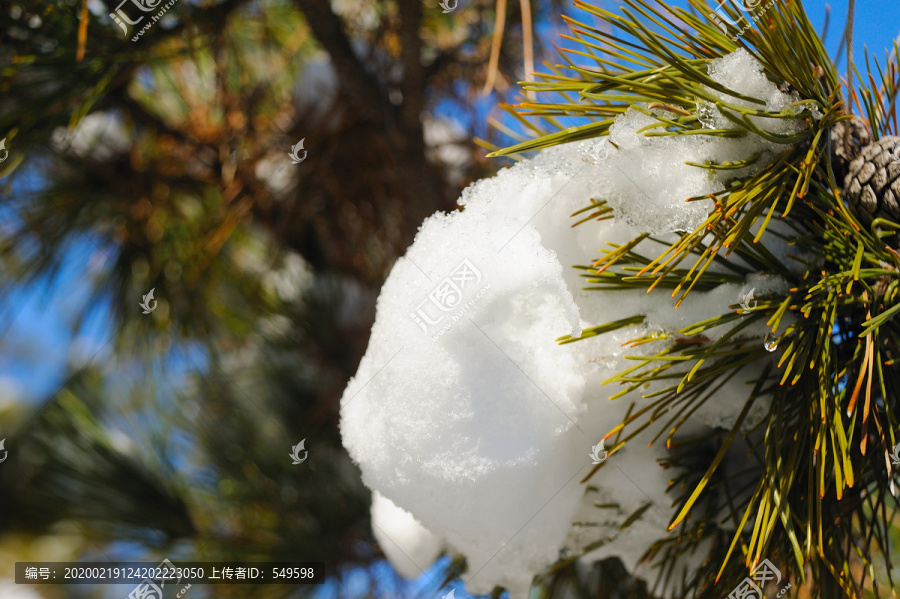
pixel 647 179
pixel 402 537
pixel 466 416
pixel 449 416
pixel 741 72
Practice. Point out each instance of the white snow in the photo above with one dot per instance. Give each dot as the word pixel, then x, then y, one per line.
pixel 647 179
pixel 408 545
pixel 465 413
pixel 740 71
pixel 466 420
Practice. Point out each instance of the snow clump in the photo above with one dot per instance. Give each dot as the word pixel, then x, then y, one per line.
pixel 469 422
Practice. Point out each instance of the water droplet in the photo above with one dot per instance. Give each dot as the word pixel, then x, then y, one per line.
pixel 771 342
pixel 706 114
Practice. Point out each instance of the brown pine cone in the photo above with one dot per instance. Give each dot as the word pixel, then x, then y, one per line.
pixel 848 138
pixel 872 184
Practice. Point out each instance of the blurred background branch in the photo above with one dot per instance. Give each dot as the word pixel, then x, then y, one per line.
pixel 162 163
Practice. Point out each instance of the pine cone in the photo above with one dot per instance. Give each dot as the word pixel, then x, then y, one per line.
pixel 872 185
pixel 848 138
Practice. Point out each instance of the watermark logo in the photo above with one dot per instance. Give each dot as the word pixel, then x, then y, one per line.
pixel 749 11
pixel 148 589
pixel 753 585
pixel 295 158
pixel 895 456
pixel 445 4
pixel 145 304
pixel 719 15
pixel 600 151
pixel 746 308
pixel 122 20
pixel 3 149
pixel 295 452
pixel 447 297
pixel 5 453
pixel 598 453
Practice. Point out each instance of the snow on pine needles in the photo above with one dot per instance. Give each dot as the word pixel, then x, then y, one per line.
pixel 466 414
